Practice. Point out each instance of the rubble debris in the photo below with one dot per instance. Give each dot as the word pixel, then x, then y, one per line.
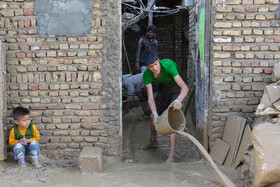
pixel 244 145
pixel 219 151
pixel 232 135
pixel 265 137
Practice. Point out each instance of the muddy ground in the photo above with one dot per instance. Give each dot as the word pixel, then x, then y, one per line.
pixel 139 168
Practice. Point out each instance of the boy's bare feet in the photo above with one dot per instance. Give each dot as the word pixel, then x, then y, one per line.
pixel 171 158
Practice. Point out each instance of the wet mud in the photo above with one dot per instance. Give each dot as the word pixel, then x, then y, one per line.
pixel 136 134
pixel 139 168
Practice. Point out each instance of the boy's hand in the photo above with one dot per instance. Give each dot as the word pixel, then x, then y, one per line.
pixel 155 119
pixel 21 142
pixel 176 104
pixel 24 142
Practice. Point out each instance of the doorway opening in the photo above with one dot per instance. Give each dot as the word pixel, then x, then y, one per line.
pixel 173 35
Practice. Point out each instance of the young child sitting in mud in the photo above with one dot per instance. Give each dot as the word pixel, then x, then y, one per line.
pixel 24 137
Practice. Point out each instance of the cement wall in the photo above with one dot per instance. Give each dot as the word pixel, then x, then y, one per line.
pixel 3 111
pixel 69 80
pixel 245 45
pixel 65 18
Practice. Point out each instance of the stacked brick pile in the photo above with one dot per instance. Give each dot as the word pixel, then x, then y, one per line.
pixel 245 45
pixel 64 80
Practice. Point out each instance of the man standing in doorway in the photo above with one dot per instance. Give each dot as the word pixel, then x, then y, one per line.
pixel 146 44
pixel 171 91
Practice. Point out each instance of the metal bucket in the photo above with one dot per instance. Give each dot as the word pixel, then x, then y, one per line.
pixel 171 121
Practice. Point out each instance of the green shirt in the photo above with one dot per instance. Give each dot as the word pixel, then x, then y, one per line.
pixel 169 69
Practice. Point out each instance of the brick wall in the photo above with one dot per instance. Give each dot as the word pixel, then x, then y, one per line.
pixel 169 34
pixel 70 83
pixel 245 45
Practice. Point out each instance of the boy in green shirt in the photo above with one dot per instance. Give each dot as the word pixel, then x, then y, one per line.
pixel 171 91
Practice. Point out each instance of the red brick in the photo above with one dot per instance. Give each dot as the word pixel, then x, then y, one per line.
pixel 30 55
pixel 239 9
pixel 91 68
pixel 45 47
pixel 27 22
pixel 68 113
pixel 96 60
pixel 28 13
pixel 259 56
pixel 32 68
pixel 52 68
pixel 66 61
pixel 22 32
pixel 99 127
pixel 56 107
pixel 268 40
pixel 42 68
pixel 33 87
pixel 56 61
pixel 21 40
pixel 82 38
pixel 56 100
pixel 240 17
pixel 19 79
pixel 276 40
pixel 93 86
pixel 268 71
pixel 20 55
pixel 88 127
pixel 62 54
pixel 90 107
pixel 43 87
pixel 24 47
pixel 252 9
pixel 38 107
pixel 20 23
pixel 62 77
pixel 253 64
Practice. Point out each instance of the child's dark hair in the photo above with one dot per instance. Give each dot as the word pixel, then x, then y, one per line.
pixel 151 28
pixel 20 111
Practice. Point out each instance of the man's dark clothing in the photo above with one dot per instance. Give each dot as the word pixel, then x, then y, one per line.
pixel 145 46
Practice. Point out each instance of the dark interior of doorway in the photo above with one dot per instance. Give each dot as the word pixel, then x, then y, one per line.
pixel 172 35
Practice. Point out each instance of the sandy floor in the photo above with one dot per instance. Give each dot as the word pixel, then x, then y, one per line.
pixel 140 168
pixel 136 135
pixel 66 173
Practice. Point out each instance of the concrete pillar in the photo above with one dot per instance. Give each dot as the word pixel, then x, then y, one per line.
pixel 3 110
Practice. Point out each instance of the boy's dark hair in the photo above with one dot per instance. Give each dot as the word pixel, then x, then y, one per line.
pixel 20 111
pixel 151 28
